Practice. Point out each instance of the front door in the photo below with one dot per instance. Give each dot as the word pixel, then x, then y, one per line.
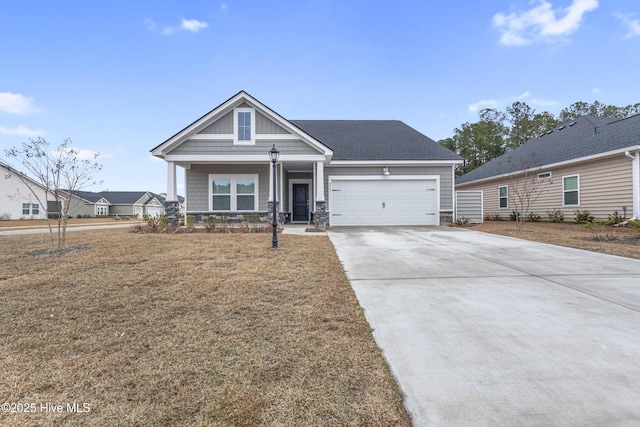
pixel 300 202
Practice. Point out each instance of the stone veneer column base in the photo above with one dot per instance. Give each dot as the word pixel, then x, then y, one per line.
pixel 172 210
pixel 321 216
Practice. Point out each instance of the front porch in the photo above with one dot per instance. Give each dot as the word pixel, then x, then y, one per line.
pixel 243 192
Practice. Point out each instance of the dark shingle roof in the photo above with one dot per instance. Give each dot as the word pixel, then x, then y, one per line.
pixel 116 197
pixel 374 140
pixel 582 137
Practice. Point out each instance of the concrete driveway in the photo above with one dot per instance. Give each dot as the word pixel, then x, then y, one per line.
pixel 488 330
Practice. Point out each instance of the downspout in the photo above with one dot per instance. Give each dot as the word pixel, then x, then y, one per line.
pixel 635 166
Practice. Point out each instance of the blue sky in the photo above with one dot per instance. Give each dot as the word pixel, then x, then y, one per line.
pixel 120 77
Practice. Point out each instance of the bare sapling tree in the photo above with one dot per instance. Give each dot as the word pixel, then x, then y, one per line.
pixel 526 185
pixel 60 172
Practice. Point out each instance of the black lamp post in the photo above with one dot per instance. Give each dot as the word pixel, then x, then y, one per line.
pixel 273 154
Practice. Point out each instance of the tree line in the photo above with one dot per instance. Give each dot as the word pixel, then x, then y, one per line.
pixel 497 132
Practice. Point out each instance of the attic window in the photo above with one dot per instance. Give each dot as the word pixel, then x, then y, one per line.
pixel 244 127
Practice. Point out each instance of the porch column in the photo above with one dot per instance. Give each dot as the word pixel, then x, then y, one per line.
pixel 171 204
pixel 319 181
pixel 171 182
pixel 636 184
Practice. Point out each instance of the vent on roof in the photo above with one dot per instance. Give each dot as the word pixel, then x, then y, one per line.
pixel 572 123
pixel 549 131
pixel 561 127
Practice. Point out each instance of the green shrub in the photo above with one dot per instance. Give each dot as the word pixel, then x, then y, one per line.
pixel 533 217
pixel 190 221
pixel 462 221
pixel 555 215
pixel 493 216
pixel 515 216
pixel 615 218
pixel 584 217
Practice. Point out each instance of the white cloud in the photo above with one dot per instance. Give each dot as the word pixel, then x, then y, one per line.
pixel 596 91
pixel 541 22
pixel 20 131
pixel 543 102
pixel 224 7
pixel 191 25
pixel 148 22
pixel 15 103
pixel 524 95
pixel 485 103
pixel 633 25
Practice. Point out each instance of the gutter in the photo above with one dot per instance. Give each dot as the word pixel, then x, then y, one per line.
pixel 635 166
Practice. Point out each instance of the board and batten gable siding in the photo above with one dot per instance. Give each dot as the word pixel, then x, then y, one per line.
pixel 605 187
pixel 197 183
pixel 445 173
pixel 224 126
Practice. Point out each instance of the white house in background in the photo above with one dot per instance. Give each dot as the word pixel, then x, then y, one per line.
pixel 17 200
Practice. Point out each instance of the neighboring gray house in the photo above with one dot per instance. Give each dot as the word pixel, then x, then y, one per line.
pixel 349 172
pixel 591 163
pixel 110 203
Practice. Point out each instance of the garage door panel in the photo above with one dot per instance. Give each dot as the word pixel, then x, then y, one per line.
pixel 384 202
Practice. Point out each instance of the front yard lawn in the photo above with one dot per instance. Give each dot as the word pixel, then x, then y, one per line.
pixel 187 330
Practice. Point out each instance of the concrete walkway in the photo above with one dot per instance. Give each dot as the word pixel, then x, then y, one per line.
pixel 485 330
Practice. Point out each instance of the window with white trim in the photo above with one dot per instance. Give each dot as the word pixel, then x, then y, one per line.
pixel 503 196
pixel 244 126
pixel 231 193
pixel 30 209
pixel 571 190
pixel 102 210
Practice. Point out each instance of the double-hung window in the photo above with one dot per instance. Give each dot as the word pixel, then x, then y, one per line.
pixel 244 126
pixel 571 190
pixel 503 196
pixel 234 192
pixel 30 209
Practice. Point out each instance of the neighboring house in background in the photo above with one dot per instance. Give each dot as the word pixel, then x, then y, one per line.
pixel 111 203
pixel 17 201
pixel 346 172
pixel 591 163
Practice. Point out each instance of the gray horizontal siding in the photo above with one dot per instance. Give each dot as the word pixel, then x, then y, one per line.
pixel 200 147
pixel 445 173
pixel 469 205
pixel 197 183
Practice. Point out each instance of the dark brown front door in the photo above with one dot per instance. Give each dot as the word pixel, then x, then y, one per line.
pixel 300 202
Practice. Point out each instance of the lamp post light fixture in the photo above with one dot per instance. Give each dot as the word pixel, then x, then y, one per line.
pixel 273 155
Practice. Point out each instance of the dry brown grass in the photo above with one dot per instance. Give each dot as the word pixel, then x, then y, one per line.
pixel 621 241
pixel 188 330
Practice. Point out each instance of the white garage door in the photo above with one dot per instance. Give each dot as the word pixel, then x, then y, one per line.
pixel 384 202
